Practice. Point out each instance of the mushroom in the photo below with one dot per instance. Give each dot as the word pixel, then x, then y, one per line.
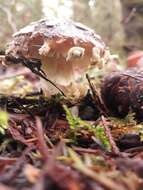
pixel 66 50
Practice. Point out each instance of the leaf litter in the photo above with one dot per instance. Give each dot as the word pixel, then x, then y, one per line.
pixel 44 145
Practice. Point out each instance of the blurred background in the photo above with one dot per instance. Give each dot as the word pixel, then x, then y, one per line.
pixel 119 22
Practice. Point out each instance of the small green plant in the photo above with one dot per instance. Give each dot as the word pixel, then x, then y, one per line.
pixel 76 124
pixel 3 121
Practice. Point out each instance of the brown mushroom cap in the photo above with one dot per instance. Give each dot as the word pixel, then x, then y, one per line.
pixel 66 48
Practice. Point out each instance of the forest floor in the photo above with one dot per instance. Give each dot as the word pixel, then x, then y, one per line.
pixel 55 144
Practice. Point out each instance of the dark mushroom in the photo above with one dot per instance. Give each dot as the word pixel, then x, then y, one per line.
pixel 123 92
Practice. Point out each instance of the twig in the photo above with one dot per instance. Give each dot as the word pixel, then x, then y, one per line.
pixel 134 77
pixel 134 150
pixel 97 99
pixel 42 143
pixel 129 17
pixel 24 108
pixel 114 148
pixel 87 150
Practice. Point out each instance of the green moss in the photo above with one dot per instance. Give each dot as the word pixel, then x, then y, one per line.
pixel 76 125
